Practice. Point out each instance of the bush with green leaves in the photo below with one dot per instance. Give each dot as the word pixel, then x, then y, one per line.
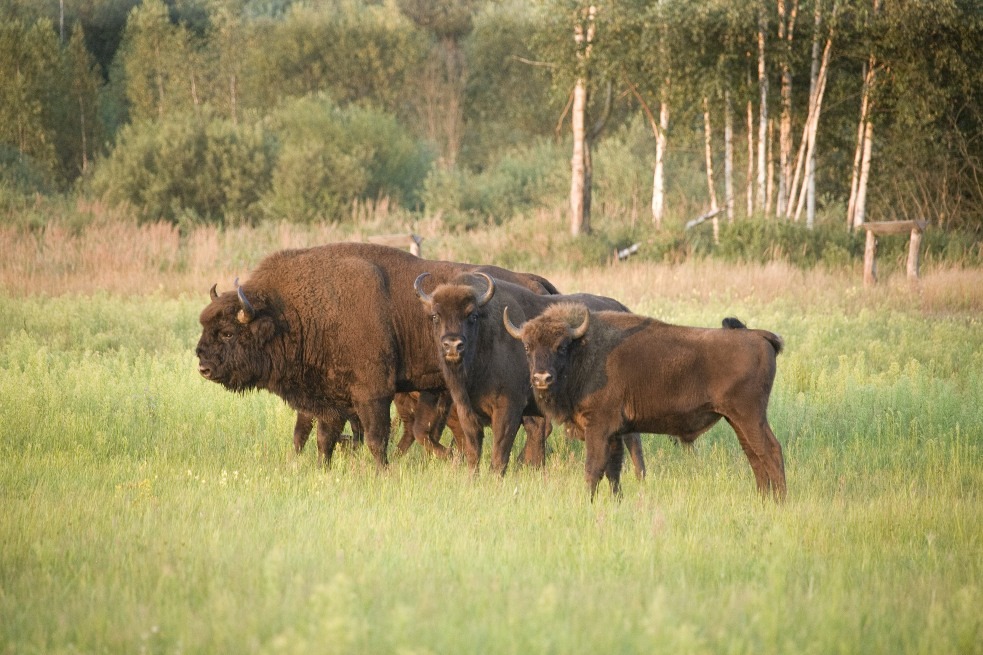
pixel 189 168
pixel 328 157
pixel 523 179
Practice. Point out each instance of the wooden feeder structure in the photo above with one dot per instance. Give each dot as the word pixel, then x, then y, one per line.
pixel 411 241
pixel 881 228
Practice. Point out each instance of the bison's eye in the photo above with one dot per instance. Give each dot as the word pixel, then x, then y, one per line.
pixel 473 318
pixel 226 334
pixel 562 349
pixel 434 319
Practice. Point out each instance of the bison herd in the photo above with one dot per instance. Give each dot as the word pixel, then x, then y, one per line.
pixel 343 331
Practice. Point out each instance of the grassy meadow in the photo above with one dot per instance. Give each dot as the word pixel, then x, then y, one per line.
pixel 145 509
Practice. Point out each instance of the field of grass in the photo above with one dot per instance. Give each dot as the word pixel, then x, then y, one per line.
pixel 147 510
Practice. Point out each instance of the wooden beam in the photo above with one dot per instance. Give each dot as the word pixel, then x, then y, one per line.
pixel 411 241
pixel 895 227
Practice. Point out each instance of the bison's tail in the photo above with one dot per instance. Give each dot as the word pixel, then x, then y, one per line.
pixel 776 341
pixel 731 323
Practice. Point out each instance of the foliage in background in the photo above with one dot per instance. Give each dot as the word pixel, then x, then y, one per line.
pixel 67 93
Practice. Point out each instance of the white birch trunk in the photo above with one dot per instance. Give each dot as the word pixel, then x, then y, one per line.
pixel 577 168
pixel 728 157
pixel 868 147
pixel 762 199
pixel 708 141
pixel 658 177
pixel 750 157
pixel 856 207
pixel 786 30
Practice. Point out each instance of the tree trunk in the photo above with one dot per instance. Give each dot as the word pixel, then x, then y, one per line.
pixel 856 207
pixel 786 30
pixel 860 210
pixel 659 176
pixel 762 201
pixel 728 157
pixel 579 222
pixel 583 36
pixel 708 141
pixel 750 158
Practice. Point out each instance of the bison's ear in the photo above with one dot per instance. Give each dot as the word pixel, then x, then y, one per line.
pixel 263 329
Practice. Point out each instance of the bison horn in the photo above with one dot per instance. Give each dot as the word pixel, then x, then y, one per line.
pixel 418 287
pixel 489 292
pixel 509 327
pixel 213 292
pixel 247 312
pixel 581 329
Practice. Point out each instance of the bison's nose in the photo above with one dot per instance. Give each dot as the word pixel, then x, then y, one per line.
pixel 453 347
pixel 205 371
pixel 542 380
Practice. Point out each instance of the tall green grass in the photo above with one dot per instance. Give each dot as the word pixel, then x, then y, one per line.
pixel 147 510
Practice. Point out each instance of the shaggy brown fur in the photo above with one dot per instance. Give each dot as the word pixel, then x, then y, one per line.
pixel 631 373
pixel 484 368
pixel 336 331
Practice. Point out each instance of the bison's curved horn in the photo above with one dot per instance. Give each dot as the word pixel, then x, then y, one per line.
pixel 418 287
pixel 247 312
pixel 509 327
pixel 213 292
pixel 581 330
pixel 483 300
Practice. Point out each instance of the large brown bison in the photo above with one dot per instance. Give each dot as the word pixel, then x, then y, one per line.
pixel 335 330
pixel 484 368
pixel 610 373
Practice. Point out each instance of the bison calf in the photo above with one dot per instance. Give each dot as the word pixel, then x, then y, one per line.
pixel 610 373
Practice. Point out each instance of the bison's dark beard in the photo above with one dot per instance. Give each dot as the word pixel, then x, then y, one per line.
pixel 456 377
pixel 552 403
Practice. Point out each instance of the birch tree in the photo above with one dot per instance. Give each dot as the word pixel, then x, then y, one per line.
pixel 857 205
pixel 787 12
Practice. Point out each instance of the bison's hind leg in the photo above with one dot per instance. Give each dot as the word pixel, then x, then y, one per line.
pixel 615 463
pixel 764 453
pixel 633 442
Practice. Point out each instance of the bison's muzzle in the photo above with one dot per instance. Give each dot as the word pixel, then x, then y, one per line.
pixel 453 347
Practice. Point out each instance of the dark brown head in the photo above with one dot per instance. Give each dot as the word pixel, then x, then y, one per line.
pixel 549 340
pixel 235 334
pixel 455 309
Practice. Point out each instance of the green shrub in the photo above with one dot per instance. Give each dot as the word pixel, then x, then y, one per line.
pixel 328 157
pixel 196 168
pixel 523 179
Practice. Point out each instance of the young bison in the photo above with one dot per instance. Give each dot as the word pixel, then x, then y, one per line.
pixel 610 373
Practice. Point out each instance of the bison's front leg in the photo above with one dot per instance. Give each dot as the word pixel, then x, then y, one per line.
pixel 505 424
pixel 302 431
pixel 596 447
pixel 374 417
pixel 329 427
pixel 537 431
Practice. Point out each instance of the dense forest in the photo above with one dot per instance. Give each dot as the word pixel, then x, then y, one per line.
pixel 809 112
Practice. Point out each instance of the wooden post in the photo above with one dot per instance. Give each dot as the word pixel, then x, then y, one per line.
pixel 915 228
pixel 870 266
pixel 913 249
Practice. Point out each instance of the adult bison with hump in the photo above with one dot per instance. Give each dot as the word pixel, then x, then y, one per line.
pixel 334 330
